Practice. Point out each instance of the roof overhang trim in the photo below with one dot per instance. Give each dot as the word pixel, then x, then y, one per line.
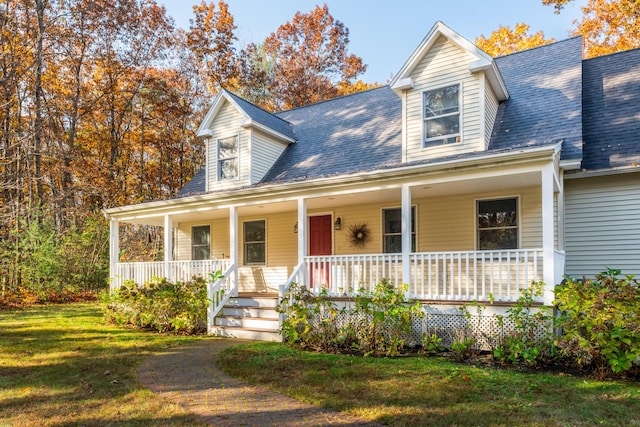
pixel 483 61
pixel 298 189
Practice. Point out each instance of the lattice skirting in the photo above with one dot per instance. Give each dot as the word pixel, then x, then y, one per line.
pixel 486 330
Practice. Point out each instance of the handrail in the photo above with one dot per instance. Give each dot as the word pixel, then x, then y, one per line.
pixel 218 293
pixel 297 275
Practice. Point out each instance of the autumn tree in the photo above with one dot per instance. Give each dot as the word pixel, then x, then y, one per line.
pixel 210 38
pixel 93 113
pixel 504 40
pixel 305 60
pixel 607 26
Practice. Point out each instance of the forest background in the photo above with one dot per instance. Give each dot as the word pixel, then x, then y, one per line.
pixel 100 101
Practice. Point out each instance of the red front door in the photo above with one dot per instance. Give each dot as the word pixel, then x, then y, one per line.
pixel 320 243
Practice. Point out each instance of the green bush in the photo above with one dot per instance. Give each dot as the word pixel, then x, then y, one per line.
pixel 160 305
pixel 600 321
pixel 386 319
pixel 531 340
pixel 311 322
pixel 377 323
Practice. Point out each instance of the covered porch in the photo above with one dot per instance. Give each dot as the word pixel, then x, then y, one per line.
pixel 454 234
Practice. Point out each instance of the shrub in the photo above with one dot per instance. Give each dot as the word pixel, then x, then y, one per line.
pixel 600 322
pixel 377 324
pixel 160 305
pixel 531 340
pixel 311 322
pixel 431 343
pixel 386 319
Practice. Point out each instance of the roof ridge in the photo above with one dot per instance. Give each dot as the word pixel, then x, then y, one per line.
pixel 608 55
pixel 333 99
pixel 538 47
pixel 235 95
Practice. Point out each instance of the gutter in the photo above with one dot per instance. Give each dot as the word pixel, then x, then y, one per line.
pixel 289 188
pixel 602 172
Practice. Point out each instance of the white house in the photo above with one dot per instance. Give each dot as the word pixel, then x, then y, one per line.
pixel 467 177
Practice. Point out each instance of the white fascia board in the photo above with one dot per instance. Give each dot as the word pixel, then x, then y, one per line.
pixel 483 61
pixel 417 54
pixel 248 122
pixel 603 172
pixel 493 76
pixel 285 191
pixel 403 84
pixel 222 96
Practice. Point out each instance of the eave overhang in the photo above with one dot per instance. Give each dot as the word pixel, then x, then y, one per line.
pixel 483 62
pixel 292 190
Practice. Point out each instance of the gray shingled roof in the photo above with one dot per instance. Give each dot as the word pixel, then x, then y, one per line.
pixel 263 117
pixel 350 134
pixel 545 101
pixel 611 110
pixel 196 185
pixel 551 88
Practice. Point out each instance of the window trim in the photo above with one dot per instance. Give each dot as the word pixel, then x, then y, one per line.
pixel 414 207
pixel 244 242
pixel 192 245
pixel 518 199
pixel 219 159
pixel 425 140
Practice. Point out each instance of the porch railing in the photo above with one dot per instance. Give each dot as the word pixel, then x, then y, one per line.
pixel 444 276
pixel 219 292
pixel 142 272
pixel 480 275
pixel 346 274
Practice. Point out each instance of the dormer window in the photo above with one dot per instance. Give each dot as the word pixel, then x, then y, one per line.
pixel 442 116
pixel 228 158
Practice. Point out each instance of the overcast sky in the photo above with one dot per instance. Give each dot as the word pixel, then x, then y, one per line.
pixel 385 33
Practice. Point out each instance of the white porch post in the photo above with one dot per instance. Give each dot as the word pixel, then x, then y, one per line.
pixel 302 236
pixel 548 241
pixel 406 235
pixel 114 252
pixel 233 243
pixel 168 247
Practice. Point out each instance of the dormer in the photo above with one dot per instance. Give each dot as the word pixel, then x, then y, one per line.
pixel 242 142
pixel 450 91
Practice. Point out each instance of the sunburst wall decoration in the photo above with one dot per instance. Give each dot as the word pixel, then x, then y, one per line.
pixel 359 235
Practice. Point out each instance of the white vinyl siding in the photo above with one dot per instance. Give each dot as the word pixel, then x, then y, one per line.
pixel 445 64
pixel 602 224
pixel 227 124
pixel 264 153
pixel 490 112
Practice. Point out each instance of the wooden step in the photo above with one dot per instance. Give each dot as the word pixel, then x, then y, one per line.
pixel 263 323
pixel 256 334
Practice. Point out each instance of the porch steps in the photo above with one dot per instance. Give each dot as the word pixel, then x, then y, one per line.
pixel 249 316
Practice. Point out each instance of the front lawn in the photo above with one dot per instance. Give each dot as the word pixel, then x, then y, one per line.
pixel 430 391
pixel 61 365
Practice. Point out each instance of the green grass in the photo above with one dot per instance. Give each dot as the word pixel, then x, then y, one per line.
pixel 61 365
pixel 424 391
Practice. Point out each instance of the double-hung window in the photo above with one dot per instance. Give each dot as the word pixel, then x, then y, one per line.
pixel 228 158
pixel 200 242
pixel 255 242
pixel 497 224
pixel 392 230
pixel 442 116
